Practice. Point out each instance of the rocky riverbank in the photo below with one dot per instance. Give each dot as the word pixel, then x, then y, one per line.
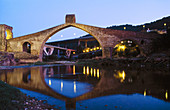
pixel 7 59
pixel 12 99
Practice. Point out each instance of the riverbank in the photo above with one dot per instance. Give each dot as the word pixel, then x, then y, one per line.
pixel 14 99
pixel 130 63
pixel 46 64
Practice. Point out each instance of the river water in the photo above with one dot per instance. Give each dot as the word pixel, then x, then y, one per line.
pixel 93 88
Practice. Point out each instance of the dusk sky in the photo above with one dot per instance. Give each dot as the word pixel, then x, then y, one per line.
pixel 30 16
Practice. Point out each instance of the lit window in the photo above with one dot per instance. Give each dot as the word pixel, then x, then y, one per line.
pixel 9 34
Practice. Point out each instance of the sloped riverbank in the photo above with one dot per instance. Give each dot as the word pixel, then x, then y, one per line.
pixel 14 99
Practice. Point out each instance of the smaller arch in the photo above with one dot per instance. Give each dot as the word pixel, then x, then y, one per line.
pixel 126 48
pixel 26 47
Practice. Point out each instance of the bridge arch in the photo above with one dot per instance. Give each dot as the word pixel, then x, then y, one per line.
pixel 85 28
pixel 131 43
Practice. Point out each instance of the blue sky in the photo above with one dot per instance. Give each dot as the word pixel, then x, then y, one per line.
pixel 30 16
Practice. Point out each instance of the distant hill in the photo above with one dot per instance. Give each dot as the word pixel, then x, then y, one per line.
pixel 158 24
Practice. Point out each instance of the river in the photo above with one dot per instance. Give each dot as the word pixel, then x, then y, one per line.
pixel 93 88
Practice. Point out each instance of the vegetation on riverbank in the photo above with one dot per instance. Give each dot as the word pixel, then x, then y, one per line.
pixel 134 63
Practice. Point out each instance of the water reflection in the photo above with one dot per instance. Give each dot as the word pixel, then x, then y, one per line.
pixel 74 87
pixel 48 71
pixel 61 86
pixel 27 76
pixel 92 72
pixel 144 92
pixel 76 84
pixel 120 75
pixel 166 94
pixel 49 82
pixel 74 69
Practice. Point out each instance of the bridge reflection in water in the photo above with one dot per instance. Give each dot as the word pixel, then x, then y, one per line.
pixel 77 83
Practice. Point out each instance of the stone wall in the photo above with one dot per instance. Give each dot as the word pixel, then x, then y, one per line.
pixel 7 59
pixel 3 40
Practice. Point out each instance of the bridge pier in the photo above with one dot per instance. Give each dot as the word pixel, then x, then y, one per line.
pixel 58 52
pixel 106 52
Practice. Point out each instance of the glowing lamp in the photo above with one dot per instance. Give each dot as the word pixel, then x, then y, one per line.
pixel 144 93
pixel 166 95
pixel 164 24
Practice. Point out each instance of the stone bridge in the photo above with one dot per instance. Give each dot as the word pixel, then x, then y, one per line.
pixel 107 38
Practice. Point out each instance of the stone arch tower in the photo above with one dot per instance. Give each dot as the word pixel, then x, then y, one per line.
pixel 5 33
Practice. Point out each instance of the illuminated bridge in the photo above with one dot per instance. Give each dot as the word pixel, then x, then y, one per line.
pixel 107 38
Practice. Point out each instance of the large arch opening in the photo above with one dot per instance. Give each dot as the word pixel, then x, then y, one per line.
pixel 70 43
pixel 27 47
pixel 126 48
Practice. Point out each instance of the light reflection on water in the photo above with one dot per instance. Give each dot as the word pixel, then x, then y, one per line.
pixel 69 88
pixel 85 87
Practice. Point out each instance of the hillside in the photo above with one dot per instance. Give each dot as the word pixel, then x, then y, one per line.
pixel 158 24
